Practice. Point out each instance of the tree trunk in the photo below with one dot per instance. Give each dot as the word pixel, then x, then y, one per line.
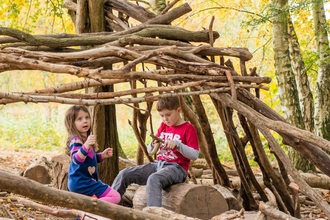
pixel 305 95
pixel 287 86
pixel 300 71
pixel 96 15
pixel 90 18
pixel 107 135
pixel 105 122
pixel 322 107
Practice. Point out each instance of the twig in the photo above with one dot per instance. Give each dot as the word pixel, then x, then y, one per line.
pixel 274 213
pixel 296 202
pixel 232 85
pixel 46 209
pixel 211 33
pixel 168 7
pixel 234 215
pixel 8 213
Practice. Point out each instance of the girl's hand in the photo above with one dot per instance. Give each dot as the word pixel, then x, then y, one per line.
pixel 91 140
pixel 107 153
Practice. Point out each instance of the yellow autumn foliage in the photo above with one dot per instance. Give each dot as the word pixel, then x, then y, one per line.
pixel 236 21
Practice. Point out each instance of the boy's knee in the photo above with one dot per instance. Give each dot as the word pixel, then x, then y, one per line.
pixel 153 179
pixel 124 173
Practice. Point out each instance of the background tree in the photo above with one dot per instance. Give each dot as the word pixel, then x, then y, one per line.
pixel 322 97
pixel 287 70
pixel 88 17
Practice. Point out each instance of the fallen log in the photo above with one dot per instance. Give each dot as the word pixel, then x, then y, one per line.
pixel 192 200
pixel 316 180
pixel 127 198
pixel 14 171
pixel 60 165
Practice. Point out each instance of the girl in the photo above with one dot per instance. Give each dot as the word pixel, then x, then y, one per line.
pixel 81 147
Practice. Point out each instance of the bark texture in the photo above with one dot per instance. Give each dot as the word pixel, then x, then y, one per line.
pixel 322 107
pixel 172 61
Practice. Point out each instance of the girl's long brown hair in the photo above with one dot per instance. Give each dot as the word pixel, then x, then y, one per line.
pixel 70 117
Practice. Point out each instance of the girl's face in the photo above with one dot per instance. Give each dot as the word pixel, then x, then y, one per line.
pixel 82 122
pixel 171 117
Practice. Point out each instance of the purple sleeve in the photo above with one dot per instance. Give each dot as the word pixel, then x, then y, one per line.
pixel 76 146
pixel 99 158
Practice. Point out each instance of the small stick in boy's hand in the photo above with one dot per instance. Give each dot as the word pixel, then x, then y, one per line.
pixel 154 137
pixel 156 145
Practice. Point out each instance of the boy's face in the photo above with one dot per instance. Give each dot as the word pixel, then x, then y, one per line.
pixel 171 117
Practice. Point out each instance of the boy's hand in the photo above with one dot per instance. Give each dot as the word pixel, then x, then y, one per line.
pixel 107 153
pixel 155 146
pixel 155 143
pixel 169 144
pixel 91 140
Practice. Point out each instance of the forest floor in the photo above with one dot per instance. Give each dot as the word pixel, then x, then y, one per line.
pixel 18 161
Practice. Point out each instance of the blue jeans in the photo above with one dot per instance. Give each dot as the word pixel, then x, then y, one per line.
pixel 155 175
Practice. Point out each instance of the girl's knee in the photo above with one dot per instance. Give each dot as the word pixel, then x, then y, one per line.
pixel 113 197
pixel 116 197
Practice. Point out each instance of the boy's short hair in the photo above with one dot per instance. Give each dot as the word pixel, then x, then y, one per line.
pixel 170 103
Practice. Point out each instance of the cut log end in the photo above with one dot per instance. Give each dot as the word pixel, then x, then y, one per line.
pixel 39 171
pixel 192 200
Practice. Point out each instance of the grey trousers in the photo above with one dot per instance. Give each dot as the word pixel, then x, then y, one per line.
pixel 155 175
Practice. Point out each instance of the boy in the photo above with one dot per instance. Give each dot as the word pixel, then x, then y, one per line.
pixel 173 159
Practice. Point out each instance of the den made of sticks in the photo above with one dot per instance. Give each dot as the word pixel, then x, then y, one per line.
pixel 160 60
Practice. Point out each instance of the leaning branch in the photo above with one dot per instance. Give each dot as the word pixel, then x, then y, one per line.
pixel 250 115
